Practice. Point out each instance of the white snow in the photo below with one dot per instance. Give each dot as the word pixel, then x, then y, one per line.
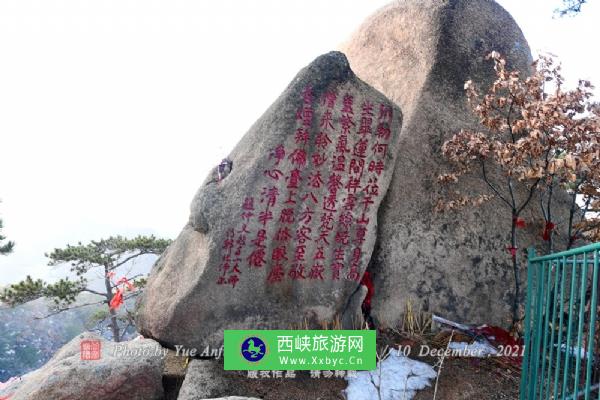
pixel 400 376
pixel 578 352
pixel 475 349
pixel 444 321
pixel 8 383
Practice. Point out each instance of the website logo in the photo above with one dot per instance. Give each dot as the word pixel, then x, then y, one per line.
pixel 253 349
pixel 288 350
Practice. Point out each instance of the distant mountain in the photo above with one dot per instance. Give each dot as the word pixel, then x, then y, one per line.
pixel 27 343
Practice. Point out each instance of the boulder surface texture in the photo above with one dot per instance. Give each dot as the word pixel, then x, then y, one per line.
pixel 282 240
pixel 92 368
pixel 420 53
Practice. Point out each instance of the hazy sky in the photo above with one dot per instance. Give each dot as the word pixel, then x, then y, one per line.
pixel 112 112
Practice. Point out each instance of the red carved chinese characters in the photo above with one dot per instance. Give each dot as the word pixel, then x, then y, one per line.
pixel 366 119
pixel 256 259
pixel 229 269
pixel 311 215
pixel 384 122
pixel 354 272
pixel 279 258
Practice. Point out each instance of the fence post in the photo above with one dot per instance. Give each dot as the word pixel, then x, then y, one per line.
pixel 527 327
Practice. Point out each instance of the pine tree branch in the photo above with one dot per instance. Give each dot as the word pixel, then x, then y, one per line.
pixel 71 308
pixel 124 261
pixel 94 292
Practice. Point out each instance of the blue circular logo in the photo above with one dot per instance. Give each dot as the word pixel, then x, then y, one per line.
pixel 253 349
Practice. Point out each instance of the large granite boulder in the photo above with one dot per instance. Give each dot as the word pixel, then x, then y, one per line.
pixel 91 368
pixel 282 231
pixel 420 53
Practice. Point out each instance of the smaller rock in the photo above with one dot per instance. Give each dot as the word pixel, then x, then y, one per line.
pixel 205 379
pixel 235 398
pixel 92 368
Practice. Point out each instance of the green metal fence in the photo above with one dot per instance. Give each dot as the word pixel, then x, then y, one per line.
pixel 562 332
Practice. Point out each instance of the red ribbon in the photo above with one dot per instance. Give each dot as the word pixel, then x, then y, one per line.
pixel 368 282
pixel 125 281
pixel 117 300
pixel 520 223
pixel 548 230
pixel 512 250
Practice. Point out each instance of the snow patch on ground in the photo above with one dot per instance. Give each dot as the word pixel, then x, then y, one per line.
pixel 401 377
pixel 475 349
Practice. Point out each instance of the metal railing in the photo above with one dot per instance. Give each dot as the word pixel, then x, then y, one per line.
pixel 562 338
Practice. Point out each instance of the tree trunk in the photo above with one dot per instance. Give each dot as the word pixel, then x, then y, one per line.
pixel 515 265
pixel 571 218
pixel 549 218
pixel 114 325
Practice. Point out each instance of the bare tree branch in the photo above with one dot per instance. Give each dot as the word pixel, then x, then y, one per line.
pixel 94 292
pixel 531 192
pixel 117 265
pixel 71 308
pixel 486 180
